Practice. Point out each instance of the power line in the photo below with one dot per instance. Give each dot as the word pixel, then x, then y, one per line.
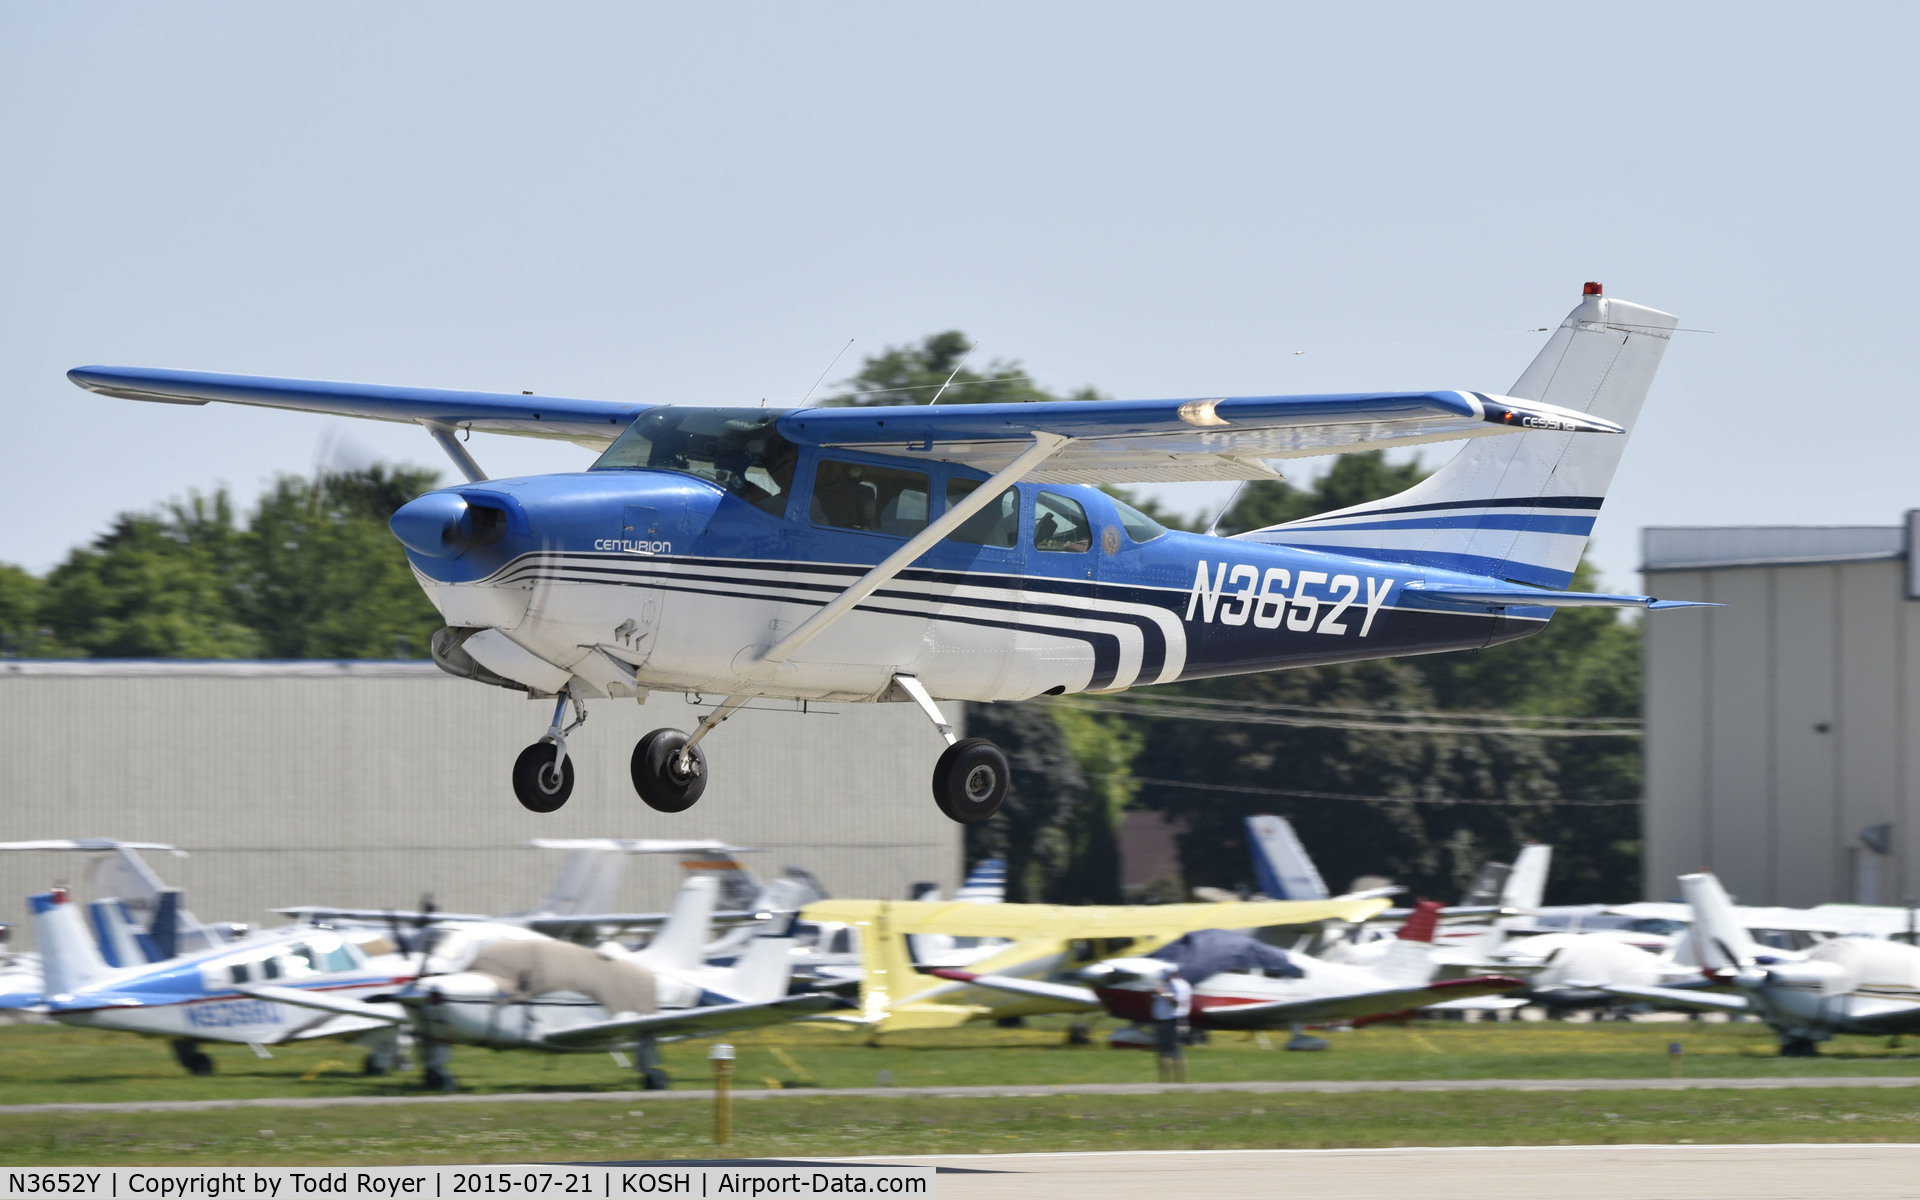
pixel 1458 723
pixel 1348 796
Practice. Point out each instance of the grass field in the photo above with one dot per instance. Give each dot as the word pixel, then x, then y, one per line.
pixel 58 1063
pixel 41 1063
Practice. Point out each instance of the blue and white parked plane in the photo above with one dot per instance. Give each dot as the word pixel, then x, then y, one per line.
pixel 967 552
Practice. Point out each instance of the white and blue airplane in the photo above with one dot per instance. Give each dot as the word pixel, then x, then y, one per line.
pixel 967 552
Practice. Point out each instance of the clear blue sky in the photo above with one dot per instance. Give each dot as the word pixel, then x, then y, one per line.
pixel 701 203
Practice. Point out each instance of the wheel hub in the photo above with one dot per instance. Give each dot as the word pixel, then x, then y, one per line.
pixel 980 782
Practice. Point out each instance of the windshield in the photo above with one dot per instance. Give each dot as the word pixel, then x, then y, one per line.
pixel 1139 526
pixel 737 448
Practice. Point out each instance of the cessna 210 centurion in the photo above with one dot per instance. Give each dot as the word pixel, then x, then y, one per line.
pixel 966 552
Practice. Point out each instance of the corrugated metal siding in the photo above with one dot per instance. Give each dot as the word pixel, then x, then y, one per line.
pixel 1779 728
pixel 370 789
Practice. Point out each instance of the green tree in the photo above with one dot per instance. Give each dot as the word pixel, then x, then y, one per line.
pixel 323 577
pixel 1352 479
pixel 155 586
pixel 20 635
pixel 916 374
pixel 1047 799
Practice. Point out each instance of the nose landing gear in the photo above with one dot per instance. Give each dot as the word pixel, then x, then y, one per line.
pixel 543 774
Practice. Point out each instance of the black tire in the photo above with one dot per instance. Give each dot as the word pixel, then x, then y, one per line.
pixel 533 778
pixel 191 1058
pixel 653 1079
pixel 436 1080
pixel 1799 1047
pixel 654 776
pixel 372 1066
pixel 200 1064
pixel 970 780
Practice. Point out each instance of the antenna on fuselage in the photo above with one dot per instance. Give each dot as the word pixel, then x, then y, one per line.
pixel 1228 506
pixel 952 377
pixel 823 376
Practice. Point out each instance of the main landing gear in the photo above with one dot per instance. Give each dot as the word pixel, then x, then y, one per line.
pixel 670 772
pixel 970 780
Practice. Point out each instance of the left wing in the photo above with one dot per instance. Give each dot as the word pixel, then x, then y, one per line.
pixel 593 423
pixel 1276 1013
pixel 1112 441
pixel 1152 441
pixel 1058 921
pixel 689 1022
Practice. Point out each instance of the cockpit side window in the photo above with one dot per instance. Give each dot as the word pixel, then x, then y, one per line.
pixel 737 448
pixel 850 495
pixel 1060 524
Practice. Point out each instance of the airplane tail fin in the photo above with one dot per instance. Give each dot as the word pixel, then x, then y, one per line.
pixel 886 968
pixel 588 882
pixel 68 956
pixel 1526 885
pixel 1280 862
pixel 762 974
pixel 164 933
pixel 1410 959
pixel 683 936
pixel 1518 507
pixel 985 884
pixel 1719 940
pixel 122 942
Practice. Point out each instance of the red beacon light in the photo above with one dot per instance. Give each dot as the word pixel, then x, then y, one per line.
pixel 59 895
pixel 1590 289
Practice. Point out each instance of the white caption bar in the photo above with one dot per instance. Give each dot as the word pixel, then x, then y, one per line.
pixel 460 1183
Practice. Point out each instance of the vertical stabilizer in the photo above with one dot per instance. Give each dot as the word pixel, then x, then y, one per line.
pixel 1280 862
pixel 122 944
pixel 588 882
pixel 763 971
pixel 1719 940
pixel 1526 885
pixel 985 884
pixel 682 938
pixel 1517 507
pixel 68 955
pixel 1408 962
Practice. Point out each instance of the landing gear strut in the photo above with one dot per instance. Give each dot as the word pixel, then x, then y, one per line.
pixel 188 1054
pixel 646 1060
pixel 543 774
pixel 668 769
pixel 970 780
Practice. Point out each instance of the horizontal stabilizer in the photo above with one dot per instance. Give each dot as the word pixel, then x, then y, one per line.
pixel 1517 596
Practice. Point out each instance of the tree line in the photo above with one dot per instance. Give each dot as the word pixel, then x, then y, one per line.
pixel 311 571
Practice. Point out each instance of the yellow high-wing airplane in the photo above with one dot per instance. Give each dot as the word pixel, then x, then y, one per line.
pixel 1048 941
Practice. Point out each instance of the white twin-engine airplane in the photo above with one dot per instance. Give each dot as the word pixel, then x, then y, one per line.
pixel 966 552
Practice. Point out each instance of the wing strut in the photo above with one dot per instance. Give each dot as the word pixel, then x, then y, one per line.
pixel 444 435
pixel 1044 446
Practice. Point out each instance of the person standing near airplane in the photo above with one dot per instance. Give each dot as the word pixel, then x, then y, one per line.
pixel 1171 1005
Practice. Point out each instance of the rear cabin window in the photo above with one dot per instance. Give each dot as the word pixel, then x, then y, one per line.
pixel 998 524
pixel 1060 524
pixel 869 498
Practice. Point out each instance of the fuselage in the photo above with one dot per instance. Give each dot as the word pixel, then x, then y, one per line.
pixel 633 577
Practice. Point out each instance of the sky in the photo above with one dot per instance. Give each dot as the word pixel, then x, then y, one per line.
pixel 703 203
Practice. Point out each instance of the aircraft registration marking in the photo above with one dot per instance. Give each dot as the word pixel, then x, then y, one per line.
pixel 221 1014
pixel 1239 592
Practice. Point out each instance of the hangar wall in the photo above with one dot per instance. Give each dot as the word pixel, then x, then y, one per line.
pixel 1781 729
pixel 359 783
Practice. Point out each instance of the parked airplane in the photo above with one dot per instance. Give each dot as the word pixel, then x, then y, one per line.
pixel 199 996
pixel 1045 941
pixel 1240 982
pixel 115 871
pixel 1856 985
pixel 504 987
pixel 964 552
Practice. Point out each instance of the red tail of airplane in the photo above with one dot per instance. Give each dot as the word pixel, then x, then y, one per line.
pixel 1421 926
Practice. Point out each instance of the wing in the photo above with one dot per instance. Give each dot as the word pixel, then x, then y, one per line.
pixel 1079 997
pixel 375 1014
pixel 593 423
pixel 689 1022
pixel 1151 441
pixel 1682 998
pixel 1024 921
pixel 1273 1014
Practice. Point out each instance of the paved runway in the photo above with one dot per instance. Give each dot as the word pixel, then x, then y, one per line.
pixel 1825 1172
pixel 1258 1087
